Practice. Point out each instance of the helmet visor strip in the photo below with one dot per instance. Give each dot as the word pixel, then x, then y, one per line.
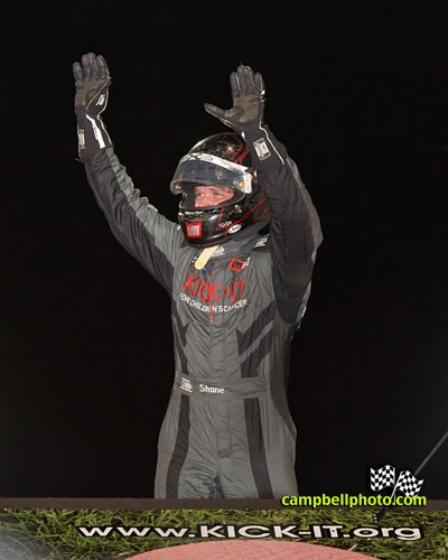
pixel 209 170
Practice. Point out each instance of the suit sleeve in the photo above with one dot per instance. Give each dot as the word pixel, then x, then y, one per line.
pixel 150 237
pixel 295 232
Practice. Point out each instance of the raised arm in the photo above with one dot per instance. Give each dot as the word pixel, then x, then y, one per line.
pixel 148 236
pixel 295 227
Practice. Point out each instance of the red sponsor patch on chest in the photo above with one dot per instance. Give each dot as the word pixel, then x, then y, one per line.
pixel 210 292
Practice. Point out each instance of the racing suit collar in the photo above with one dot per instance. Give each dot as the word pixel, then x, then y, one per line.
pixel 237 246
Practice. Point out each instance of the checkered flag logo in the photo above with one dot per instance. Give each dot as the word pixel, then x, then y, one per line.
pixel 382 477
pixel 408 484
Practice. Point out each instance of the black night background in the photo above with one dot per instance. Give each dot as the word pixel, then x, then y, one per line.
pixel 358 93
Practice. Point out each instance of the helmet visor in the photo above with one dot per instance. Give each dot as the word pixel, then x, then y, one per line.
pixel 209 170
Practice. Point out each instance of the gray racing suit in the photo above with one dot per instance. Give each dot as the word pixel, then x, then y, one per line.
pixel 227 431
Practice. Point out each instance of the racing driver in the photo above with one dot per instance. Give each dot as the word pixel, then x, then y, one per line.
pixel 238 294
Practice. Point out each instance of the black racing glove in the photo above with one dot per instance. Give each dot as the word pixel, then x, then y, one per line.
pixel 248 100
pixel 246 117
pixel 92 81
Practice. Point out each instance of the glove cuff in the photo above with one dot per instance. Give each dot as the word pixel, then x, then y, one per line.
pixel 266 152
pixel 92 135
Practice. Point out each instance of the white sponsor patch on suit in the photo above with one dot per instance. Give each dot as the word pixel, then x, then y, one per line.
pixel 262 149
pixel 186 385
pixel 81 139
pixel 218 251
pixel 261 243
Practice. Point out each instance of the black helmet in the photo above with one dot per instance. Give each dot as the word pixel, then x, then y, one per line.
pixel 221 160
